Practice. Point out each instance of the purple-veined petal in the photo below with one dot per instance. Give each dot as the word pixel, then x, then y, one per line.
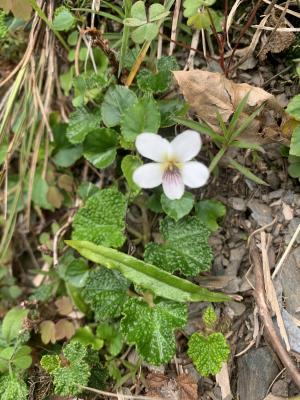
pixel 172 184
pixel 194 174
pixel 148 176
pixel 152 146
pixel 186 145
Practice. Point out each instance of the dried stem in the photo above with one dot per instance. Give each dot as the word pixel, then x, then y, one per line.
pixel 267 320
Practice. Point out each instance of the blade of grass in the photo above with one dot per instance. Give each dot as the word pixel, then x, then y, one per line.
pixel 246 123
pixel 126 33
pixel 11 100
pixel 217 158
pixel 200 127
pixel 222 125
pixel 246 172
pixel 237 114
pixel 243 144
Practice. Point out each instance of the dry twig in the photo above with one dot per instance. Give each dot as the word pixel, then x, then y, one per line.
pixel 270 331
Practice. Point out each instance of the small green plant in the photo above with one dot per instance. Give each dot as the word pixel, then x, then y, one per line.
pixel 229 138
pixel 293 110
pixel 146 26
pixel 208 350
pixel 15 355
pixel 200 14
pixel 70 371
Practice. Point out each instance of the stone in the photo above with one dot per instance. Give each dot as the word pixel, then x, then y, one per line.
pixel 237 203
pixel 235 309
pixel 256 371
pixel 276 194
pixel 235 259
pixel 292 331
pixel 293 225
pixel 289 276
pixel 261 212
pixel 280 388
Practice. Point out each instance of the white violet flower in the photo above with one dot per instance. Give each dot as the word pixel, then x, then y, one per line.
pixel 172 167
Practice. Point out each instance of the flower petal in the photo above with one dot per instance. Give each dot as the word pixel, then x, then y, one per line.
pixel 148 176
pixel 186 145
pixel 173 185
pixel 194 174
pixel 152 146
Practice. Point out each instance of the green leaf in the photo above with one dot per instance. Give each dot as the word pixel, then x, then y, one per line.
pixel 102 219
pixel 209 317
pixel 66 81
pixel 209 211
pixel 86 190
pixel 191 7
pixel 138 11
pixel 171 108
pixel 200 20
pixel 66 379
pixel 294 167
pixel 151 329
pixel 142 116
pixel 13 323
pixel 208 352
pixel 82 122
pixel 167 63
pixel 73 270
pixel 40 190
pixel 116 102
pixel 86 337
pixel 22 358
pixel 245 171
pixel 128 165
pixel 67 156
pixel 295 142
pixel 12 387
pixel 144 33
pixel 293 107
pixel 186 247
pixel 148 276
pixel 157 11
pixel 177 209
pixel 63 20
pixel 50 363
pixel 153 202
pixel 160 80
pixel 112 337
pixel 106 292
pixel 155 83
pixel 89 85
pixel 100 147
pixel 75 294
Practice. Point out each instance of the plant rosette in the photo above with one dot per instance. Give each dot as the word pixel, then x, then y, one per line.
pixel 172 167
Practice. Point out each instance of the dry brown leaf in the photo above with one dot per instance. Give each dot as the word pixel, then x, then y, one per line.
pixel 223 381
pixel 64 305
pixel 66 182
pixel 47 331
pixel 188 388
pixel 208 92
pixel 20 8
pixel 64 329
pixel 54 197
